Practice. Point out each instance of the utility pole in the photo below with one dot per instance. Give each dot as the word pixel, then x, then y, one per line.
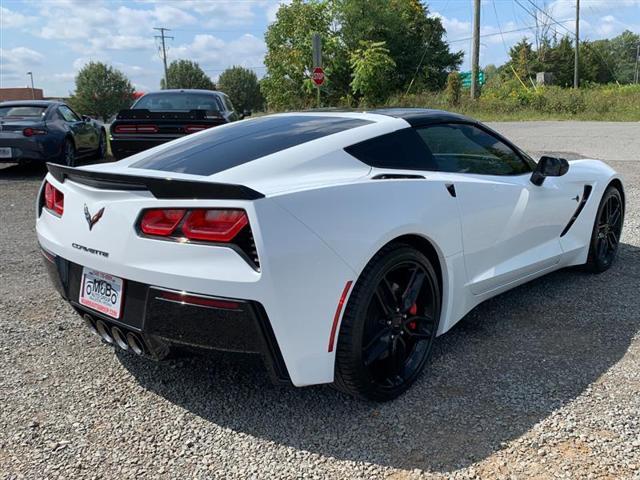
pixel 33 92
pixel 576 66
pixel 162 38
pixel 637 74
pixel 475 55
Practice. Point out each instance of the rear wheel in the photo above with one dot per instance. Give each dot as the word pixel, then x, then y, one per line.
pixel 68 153
pixel 607 228
pixel 389 325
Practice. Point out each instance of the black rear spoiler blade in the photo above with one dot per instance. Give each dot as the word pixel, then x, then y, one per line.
pixel 164 188
pixel 144 114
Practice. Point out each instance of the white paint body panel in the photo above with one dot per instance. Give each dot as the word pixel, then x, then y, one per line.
pixel 322 219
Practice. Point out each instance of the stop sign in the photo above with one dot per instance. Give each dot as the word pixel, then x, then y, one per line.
pixel 318 76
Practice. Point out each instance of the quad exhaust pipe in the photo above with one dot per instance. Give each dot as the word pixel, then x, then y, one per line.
pixel 128 341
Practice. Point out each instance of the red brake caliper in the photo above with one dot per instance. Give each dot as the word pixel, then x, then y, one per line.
pixel 413 310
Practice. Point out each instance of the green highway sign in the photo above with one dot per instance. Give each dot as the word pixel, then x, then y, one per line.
pixel 466 78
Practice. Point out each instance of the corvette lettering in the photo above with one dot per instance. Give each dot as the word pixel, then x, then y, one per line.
pixel 90 250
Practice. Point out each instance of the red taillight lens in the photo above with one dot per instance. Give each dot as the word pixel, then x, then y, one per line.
pixel 200 301
pixel 53 198
pixel 147 129
pixel 136 129
pixel 161 222
pixel 195 128
pixel 214 225
pixel 30 132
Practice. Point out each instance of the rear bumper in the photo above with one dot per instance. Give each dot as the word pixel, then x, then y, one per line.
pixel 163 322
pixel 125 147
pixel 23 149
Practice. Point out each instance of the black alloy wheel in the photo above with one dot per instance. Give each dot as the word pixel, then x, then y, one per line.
pixel 606 231
pixel 69 153
pixel 389 325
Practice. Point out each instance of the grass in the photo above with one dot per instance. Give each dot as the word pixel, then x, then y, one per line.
pixel 510 102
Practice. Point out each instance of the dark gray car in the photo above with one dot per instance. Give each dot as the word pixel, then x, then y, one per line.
pixel 47 131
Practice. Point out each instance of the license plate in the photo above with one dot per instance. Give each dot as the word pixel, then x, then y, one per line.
pixel 101 292
pixel 5 152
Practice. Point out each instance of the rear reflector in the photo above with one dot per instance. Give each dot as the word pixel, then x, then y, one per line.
pixel 160 221
pixel 53 199
pixel 214 225
pixel 136 129
pixel 336 317
pixel 187 299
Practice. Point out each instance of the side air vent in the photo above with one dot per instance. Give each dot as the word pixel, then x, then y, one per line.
pixel 585 196
pixel 397 176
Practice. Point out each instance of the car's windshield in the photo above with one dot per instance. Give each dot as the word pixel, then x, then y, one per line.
pixel 22 111
pixel 177 101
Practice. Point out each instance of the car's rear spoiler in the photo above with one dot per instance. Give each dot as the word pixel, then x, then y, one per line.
pixel 160 187
pixel 144 114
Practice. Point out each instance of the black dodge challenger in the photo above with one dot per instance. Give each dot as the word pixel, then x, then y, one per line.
pixel 160 117
pixel 47 131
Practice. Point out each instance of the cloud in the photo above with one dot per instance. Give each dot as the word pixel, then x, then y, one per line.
pixel 215 53
pixel 11 19
pixel 16 62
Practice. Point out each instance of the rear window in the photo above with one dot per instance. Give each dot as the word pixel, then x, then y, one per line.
pixel 238 143
pixel 22 111
pixel 178 101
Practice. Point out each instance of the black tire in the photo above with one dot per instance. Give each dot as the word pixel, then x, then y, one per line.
pixel 68 156
pixel 607 227
pixel 101 152
pixel 382 350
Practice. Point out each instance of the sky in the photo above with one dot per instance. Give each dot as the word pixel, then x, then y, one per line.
pixel 55 38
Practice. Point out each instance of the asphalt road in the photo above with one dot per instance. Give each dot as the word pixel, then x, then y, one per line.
pixel 543 381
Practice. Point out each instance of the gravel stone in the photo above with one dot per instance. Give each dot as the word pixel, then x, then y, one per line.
pixel 540 382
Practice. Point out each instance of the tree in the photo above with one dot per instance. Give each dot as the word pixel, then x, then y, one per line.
pixel 414 39
pixel 101 91
pixel 287 83
pixel 241 84
pixel 187 74
pixel 371 65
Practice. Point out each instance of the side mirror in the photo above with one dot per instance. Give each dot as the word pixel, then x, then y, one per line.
pixel 549 167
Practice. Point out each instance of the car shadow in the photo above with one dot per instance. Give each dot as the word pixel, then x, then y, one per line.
pixel 506 366
pixel 37 170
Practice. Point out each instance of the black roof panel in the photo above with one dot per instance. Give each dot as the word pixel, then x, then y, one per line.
pixel 422 116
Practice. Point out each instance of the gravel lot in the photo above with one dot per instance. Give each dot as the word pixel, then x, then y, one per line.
pixel 543 381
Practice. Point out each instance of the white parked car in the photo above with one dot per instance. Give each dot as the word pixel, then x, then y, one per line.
pixel 336 245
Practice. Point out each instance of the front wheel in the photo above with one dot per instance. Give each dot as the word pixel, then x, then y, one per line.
pixel 101 152
pixel 607 229
pixel 389 325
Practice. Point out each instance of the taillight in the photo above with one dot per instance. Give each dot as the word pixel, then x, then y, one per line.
pixel 53 199
pixel 161 221
pixel 214 225
pixel 136 129
pixel 195 128
pixel 30 132
pixel 209 225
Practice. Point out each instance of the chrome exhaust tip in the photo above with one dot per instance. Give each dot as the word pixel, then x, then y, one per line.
pixel 103 331
pixel 135 343
pixel 119 338
pixel 88 321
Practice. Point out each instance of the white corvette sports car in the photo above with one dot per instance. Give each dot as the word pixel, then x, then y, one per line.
pixel 336 245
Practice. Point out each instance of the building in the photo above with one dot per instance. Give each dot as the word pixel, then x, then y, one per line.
pixel 20 93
